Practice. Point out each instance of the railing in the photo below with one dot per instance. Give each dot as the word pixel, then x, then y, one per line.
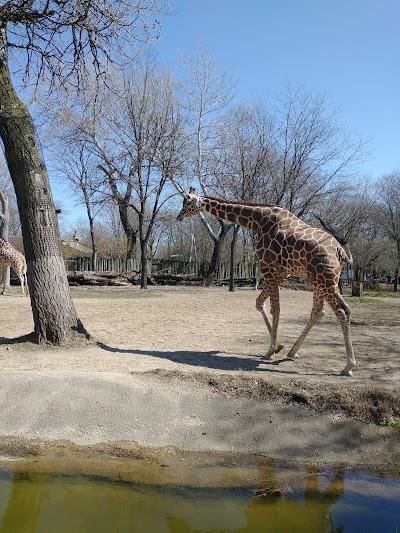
pixel 199 269
pixel 130 266
pixel 105 264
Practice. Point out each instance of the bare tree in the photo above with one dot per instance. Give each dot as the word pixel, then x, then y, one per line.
pixel 60 39
pixel 79 169
pixel 312 154
pixel 294 154
pixel 388 197
pixel 351 213
pixel 245 141
pixel 206 92
pixel 135 133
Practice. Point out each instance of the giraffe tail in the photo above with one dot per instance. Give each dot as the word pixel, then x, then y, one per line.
pixel 345 256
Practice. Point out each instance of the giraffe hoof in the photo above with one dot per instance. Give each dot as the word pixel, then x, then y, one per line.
pixel 272 350
pixel 269 356
pixel 270 353
pixel 292 355
pixel 346 373
pixel 279 348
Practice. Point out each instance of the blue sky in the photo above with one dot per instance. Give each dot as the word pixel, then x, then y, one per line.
pixel 348 49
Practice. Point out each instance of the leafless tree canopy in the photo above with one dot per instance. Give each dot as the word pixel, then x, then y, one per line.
pixel 59 37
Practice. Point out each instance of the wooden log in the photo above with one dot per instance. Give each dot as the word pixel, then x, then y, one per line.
pixel 97 278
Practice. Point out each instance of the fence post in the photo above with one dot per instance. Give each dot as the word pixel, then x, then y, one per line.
pixel 357 289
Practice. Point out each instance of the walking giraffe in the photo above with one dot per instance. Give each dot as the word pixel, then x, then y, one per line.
pixel 9 256
pixel 286 246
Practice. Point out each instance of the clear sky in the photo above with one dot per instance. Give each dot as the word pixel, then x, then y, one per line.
pixel 348 49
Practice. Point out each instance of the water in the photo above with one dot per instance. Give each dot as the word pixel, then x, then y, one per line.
pixel 225 496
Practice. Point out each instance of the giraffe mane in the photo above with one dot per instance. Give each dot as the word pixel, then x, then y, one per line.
pixel 246 204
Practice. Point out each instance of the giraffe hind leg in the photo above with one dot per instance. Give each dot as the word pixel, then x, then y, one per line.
pixel 21 278
pixel 22 281
pixel 26 285
pixel 317 312
pixel 342 312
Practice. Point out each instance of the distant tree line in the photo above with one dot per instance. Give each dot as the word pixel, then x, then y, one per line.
pixel 123 147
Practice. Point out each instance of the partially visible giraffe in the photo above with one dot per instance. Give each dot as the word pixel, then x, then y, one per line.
pixel 287 246
pixel 9 256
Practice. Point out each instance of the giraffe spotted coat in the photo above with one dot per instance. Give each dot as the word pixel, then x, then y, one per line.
pixel 287 245
pixel 9 256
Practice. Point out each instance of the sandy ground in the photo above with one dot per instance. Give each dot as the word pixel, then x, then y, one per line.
pixel 109 391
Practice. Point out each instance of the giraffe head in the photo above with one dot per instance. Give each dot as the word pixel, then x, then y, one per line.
pixel 191 205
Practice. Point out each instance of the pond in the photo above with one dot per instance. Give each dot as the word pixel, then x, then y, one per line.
pixel 210 493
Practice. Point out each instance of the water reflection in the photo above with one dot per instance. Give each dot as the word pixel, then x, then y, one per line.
pixel 279 506
pixel 301 499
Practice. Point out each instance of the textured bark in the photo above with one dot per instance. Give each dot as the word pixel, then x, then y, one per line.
pixel 232 259
pixel 54 314
pixel 4 225
pixel 216 256
pixel 143 260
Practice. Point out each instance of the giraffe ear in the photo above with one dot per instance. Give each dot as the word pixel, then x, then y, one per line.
pixel 192 190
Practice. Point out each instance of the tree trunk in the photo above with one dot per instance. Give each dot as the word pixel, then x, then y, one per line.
pixel 143 260
pixel 54 314
pixel 396 271
pixel 232 259
pixel 130 231
pixel 91 226
pixel 93 241
pixel 130 243
pixel 216 256
pixel 4 225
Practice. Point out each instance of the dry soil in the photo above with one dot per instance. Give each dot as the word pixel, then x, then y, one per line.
pixel 129 384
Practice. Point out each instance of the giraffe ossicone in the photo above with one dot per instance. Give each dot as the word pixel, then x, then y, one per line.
pixel 286 246
pixel 9 256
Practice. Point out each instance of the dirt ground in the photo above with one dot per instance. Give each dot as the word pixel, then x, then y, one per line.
pixel 190 328
pixel 140 338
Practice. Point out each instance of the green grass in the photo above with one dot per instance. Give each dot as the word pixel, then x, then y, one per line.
pixel 393 425
pixel 372 297
pixel 381 294
pixel 372 294
pixel 363 299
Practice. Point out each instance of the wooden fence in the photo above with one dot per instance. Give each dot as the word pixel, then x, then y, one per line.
pixel 129 267
pixel 105 264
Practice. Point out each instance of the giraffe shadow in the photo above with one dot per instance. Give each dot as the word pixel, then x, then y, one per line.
pixel 213 359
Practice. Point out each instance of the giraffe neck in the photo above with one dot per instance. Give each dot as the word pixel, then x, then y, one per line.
pixel 248 216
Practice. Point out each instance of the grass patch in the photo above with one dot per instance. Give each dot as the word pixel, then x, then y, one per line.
pixel 369 404
pixel 381 294
pixel 394 425
pixel 364 299
pixel 369 293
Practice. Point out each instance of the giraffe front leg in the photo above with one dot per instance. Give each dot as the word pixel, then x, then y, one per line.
pixel 3 276
pixel 276 346
pixel 275 308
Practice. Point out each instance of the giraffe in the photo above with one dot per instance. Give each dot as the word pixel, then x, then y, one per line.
pixel 9 256
pixel 286 246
